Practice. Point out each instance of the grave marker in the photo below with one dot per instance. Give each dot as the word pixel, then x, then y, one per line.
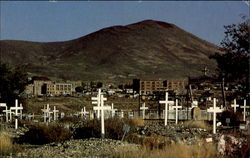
pixel 46 113
pixel 234 105
pixel 166 102
pixel 143 108
pixel 55 113
pixel 244 111
pixel 113 110
pixel 83 112
pixel 5 106
pixel 102 108
pixel 97 101
pixel 16 108
pixel 214 110
pixel 176 107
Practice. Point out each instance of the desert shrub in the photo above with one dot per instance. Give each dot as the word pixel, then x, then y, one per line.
pixel 197 124
pixel 69 119
pixel 42 134
pixel 113 128
pixel 5 143
pixel 135 121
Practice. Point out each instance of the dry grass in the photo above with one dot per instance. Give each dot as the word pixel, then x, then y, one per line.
pixel 136 121
pixel 197 124
pixel 5 143
pixel 170 151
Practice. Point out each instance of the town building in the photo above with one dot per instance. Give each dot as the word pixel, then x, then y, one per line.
pixel 153 86
pixel 57 89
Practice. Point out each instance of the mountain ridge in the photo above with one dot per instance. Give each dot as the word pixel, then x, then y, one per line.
pixel 151 49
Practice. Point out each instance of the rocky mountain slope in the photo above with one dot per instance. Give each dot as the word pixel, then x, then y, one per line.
pixel 147 49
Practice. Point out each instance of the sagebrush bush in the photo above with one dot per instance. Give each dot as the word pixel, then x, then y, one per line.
pixel 197 124
pixel 5 143
pixel 113 128
pixel 42 134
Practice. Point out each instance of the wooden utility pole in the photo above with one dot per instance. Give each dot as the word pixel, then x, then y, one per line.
pixel 223 93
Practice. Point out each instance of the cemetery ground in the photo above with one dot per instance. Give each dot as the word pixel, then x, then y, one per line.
pixel 74 136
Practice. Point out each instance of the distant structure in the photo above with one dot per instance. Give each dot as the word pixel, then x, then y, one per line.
pixel 39 86
pixel 152 86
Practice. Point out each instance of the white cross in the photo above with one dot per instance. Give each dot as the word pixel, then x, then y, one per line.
pixel 6 113
pixel 234 105
pixel 166 102
pixel 113 110
pixel 214 110
pixel 16 108
pixel 55 113
pixel 83 112
pixel 97 100
pixel 244 107
pixel 143 108
pixel 46 113
pixel 102 108
pixel 176 107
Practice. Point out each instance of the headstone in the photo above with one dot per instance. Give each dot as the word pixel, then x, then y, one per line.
pixel 102 108
pixel 143 108
pixel 234 105
pixel 227 121
pixel 62 115
pixel 214 110
pixel 196 113
pixel 176 107
pixel 166 102
pixel 194 104
pixel 91 115
pixel 244 109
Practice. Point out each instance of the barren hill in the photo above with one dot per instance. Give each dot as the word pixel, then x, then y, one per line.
pixel 148 49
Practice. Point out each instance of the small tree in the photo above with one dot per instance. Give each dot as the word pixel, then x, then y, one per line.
pixel 233 65
pixel 12 83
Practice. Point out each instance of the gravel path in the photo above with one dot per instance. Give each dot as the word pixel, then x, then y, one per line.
pixel 93 147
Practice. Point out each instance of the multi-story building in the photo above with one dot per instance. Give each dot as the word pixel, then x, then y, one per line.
pixel 152 86
pixel 56 89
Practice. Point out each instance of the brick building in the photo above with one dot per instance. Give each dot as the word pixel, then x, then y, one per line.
pixel 151 86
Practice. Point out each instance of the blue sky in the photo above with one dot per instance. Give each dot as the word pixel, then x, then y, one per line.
pixel 61 21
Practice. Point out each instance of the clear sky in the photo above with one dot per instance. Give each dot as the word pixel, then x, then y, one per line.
pixel 61 21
